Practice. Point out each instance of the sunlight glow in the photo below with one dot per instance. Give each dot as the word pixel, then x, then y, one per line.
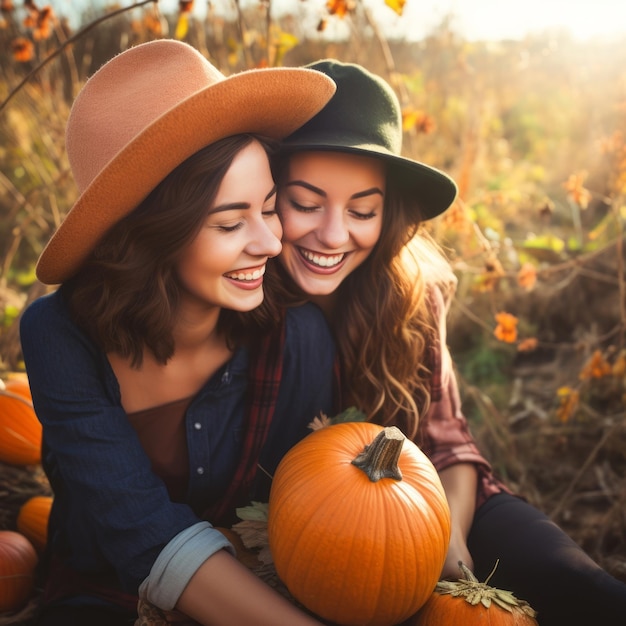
pixel 507 19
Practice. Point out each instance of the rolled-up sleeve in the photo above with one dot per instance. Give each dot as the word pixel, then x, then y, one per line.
pixel 179 561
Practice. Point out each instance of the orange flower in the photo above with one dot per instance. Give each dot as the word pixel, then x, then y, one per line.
pixel 506 330
pixel 23 49
pixel 596 367
pixel 527 345
pixel 410 116
pixel 568 403
pixel 527 276
pixel 421 121
pixel 339 7
pixel 576 191
pixel 43 29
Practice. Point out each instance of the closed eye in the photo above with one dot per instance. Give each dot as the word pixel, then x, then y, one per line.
pixel 302 208
pixel 230 229
pixel 363 216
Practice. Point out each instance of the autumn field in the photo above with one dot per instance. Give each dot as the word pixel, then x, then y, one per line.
pixel 534 133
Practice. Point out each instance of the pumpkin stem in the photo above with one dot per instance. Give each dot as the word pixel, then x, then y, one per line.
pixel 380 458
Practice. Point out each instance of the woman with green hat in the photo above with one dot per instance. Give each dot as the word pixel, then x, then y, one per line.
pixel 351 208
pixel 159 389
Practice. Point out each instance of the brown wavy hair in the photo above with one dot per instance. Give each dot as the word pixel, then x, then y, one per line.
pixel 383 321
pixel 126 295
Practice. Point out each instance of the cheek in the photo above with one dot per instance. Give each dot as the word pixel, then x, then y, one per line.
pixel 294 225
pixel 370 235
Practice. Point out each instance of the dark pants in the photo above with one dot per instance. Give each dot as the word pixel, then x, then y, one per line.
pixel 539 563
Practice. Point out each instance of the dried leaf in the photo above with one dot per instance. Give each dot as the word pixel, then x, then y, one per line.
pixel 252 533
pixel 256 511
pixel 596 367
pixel 396 5
pixel 576 191
pixel 351 414
pixel 182 26
pixel 568 403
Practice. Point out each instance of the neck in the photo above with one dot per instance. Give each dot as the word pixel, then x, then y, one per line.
pixel 195 327
pixel 328 304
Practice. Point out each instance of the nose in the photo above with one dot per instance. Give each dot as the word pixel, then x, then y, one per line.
pixel 266 238
pixel 332 231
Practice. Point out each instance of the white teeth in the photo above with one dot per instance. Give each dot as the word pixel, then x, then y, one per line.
pixel 322 261
pixel 247 275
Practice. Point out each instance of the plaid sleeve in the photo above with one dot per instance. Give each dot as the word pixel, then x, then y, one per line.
pixel 444 433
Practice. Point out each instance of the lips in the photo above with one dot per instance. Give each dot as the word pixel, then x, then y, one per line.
pixel 322 262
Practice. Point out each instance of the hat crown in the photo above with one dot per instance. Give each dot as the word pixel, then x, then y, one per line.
pixel 125 96
pixel 375 121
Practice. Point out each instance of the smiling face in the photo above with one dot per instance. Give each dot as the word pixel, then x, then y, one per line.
pixel 331 209
pixel 225 263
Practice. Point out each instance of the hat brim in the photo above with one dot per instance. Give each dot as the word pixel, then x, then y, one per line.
pixel 269 102
pixel 433 190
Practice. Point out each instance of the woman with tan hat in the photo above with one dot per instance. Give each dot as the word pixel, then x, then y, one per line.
pixel 160 389
pixel 351 208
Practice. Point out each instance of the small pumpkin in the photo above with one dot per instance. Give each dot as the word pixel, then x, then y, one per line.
pixel 18 562
pixel 32 520
pixel 358 524
pixel 472 603
pixel 20 430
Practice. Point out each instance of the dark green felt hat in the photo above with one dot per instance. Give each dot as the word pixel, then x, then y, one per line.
pixel 364 117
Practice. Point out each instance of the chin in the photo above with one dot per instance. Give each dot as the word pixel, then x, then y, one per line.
pixel 244 307
pixel 317 289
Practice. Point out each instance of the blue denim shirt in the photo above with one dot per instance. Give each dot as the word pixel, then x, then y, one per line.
pixel 111 512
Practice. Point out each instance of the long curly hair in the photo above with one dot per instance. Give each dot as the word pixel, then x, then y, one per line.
pixel 383 320
pixel 126 295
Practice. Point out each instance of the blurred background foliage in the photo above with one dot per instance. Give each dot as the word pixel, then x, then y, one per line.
pixel 534 132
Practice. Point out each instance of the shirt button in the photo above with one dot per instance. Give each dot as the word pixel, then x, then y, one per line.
pixel 200 470
pixel 197 426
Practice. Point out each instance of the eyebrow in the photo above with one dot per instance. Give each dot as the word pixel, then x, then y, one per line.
pixel 233 206
pixel 321 192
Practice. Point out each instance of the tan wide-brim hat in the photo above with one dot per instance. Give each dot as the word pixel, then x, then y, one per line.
pixel 145 112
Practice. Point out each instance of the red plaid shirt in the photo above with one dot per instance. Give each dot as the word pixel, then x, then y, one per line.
pixel 444 434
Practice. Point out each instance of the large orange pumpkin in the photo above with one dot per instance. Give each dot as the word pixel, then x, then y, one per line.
pixel 472 603
pixel 32 520
pixel 18 561
pixel 358 524
pixel 20 386
pixel 20 430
